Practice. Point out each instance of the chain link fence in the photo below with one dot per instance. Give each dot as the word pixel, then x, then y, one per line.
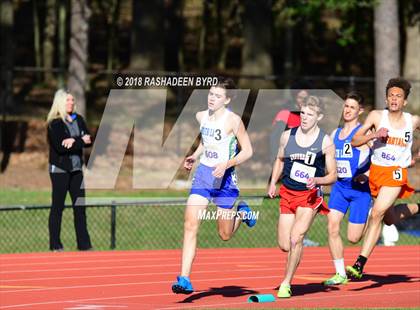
pixel 159 225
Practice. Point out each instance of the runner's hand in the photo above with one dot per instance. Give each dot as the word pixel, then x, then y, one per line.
pixel 219 170
pixel 361 178
pixel 382 133
pixel 272 191
pixel 189 162
pixel 311 183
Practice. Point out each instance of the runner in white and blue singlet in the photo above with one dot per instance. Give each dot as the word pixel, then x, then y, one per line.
pixel 219 147
pixel 215 178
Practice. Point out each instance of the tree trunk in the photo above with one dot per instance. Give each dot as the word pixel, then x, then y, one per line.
pixel 203 35
pixel 79 30
pixel 49 36
pixel 387 47
pixel 37 39
pixel 62 17
pixel 256 50
pixel 173 35
pixel 412 65
pixel 226 19
pixel 112 34
pixel 147 48
pixel 6 54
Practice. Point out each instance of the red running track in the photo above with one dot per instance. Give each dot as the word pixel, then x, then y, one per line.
pixel 223 278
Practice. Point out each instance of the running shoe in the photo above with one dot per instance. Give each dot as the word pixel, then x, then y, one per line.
pixel 284 291
pixel 337 279
pixel 354 272
pixel 249 218
pixel 182 286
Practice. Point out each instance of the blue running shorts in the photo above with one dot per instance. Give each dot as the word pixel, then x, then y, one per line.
pixel 344 198
pixel 223 192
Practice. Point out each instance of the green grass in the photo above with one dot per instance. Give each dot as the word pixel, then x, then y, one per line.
pixel 140 227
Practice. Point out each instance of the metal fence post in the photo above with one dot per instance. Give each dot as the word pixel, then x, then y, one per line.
pixel 113 224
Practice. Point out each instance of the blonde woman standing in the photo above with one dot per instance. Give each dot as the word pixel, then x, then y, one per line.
pixel 67 135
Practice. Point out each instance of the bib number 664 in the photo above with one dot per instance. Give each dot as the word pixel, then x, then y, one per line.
pixel 301 174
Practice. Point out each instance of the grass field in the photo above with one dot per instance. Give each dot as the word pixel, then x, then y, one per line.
pixel 139 227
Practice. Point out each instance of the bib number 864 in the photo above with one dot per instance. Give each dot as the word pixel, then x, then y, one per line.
pixel 388 156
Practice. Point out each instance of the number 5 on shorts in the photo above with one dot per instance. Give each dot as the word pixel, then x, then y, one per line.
pixel 397 174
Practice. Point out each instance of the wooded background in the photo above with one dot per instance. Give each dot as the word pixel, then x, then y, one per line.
pixel 82 45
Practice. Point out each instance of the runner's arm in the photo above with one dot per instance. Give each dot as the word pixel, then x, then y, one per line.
pixel 246 147
pixel 330 163
pixel 363 136
pixel 190 160
pixel 278 164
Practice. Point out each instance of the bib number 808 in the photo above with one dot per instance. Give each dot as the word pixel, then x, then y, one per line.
pixel 210 154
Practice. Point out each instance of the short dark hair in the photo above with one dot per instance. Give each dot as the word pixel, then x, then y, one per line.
pixel 355 96
pixel 228 84
pixel 400 83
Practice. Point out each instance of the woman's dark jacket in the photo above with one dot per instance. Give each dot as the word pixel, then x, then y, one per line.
pixel 57 132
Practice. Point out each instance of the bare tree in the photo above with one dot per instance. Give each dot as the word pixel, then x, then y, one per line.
pixel 62 17
pixel 111 11
pixel 49 36
pixel 387 47
pixel 411 68
pixel 79 30
pixel 147 40
pixel 37 39
pixel 257 30
pixel 6 53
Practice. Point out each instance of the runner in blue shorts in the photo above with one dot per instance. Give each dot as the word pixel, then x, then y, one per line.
pixel 351 191
pixel 215 178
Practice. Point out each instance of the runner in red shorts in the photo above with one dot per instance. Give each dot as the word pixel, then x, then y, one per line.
pixel 305 160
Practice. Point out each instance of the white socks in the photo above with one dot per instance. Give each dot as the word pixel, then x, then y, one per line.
pixel 339 267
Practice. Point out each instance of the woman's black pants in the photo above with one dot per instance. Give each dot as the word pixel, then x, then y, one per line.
pixel 61 183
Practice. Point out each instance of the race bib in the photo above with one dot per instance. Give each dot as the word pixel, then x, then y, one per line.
pixel 211 153
pixel 397 175
pixel 301 173
pixel 347 150
pixel 344 169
